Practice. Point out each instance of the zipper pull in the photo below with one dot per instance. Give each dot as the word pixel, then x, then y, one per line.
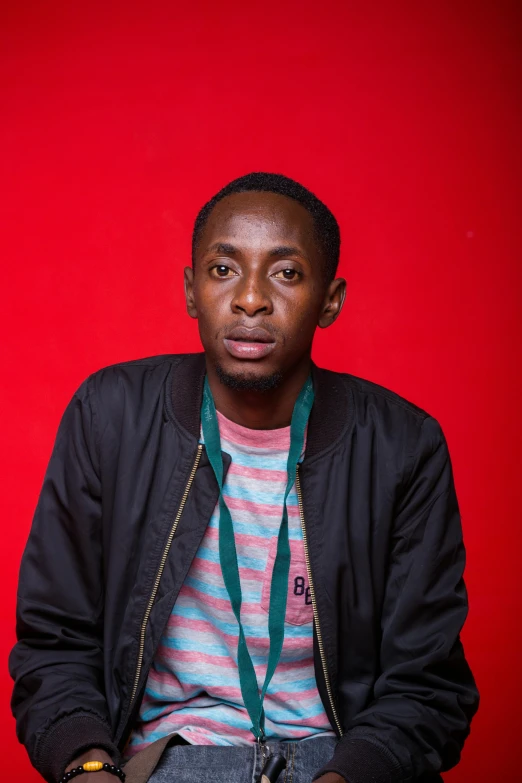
pixel 274 765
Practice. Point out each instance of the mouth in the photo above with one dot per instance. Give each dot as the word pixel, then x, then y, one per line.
pixel 244 343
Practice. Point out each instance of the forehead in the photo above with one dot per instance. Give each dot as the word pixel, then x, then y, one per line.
pixel 260 218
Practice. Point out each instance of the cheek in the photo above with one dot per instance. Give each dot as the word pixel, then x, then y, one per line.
pixel 208 300
pixel 213 308
pixel 300 319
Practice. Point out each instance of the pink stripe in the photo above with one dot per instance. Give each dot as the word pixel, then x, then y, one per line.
pixel 226 692
pixel 286 696
pixel 307 665
pixel 216 603
pixel 202 566
pixel 203 626
pixel 261 509
pixel 246 540
pixel 261 474
pixel 318 721
pixel 226 662
pixel 222 691
pixel 211 725
pixel 166 678
pixel 261 439
pixel 182 719
pixel 191 656
pixel 229 693
pixel 304 732
pixel 242 539
pixel 263 643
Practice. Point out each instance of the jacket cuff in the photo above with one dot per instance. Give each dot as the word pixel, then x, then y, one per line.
pixel 361 761
pixel 68 738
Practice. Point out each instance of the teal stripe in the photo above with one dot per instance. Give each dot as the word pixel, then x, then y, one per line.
pixel 181 609
pixel 212 556
pixel 218 592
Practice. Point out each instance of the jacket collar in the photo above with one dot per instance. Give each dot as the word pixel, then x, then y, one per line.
pixel 331 413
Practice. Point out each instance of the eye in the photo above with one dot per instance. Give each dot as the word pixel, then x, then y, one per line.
pixel 287 274
pixel 222 270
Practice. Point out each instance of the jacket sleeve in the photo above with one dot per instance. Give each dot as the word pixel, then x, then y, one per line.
pixel 58 697
pixel 425 695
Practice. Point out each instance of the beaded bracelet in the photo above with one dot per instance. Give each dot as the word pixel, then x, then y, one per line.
pixel 93 766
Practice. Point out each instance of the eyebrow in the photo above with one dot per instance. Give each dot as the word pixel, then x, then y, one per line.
pixel 222 247
pixel 277 252
pixel 286 250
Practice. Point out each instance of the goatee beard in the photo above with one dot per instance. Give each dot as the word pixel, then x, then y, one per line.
pixel 249 382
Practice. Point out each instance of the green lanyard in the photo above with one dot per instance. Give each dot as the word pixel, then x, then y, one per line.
pixel 252 699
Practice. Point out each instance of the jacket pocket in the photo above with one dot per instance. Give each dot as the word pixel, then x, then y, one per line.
pixel 298 603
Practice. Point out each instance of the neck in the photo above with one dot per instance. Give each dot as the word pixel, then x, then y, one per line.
pixel 267 410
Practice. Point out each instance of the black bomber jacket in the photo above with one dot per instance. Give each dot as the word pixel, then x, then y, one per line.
pixel 125 501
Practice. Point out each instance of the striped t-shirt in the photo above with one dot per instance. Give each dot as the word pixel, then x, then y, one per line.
pixel 193 684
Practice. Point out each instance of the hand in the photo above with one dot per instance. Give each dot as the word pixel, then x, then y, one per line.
pixel 94 755
pixel 330 777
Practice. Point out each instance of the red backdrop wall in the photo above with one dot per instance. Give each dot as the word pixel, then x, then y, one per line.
pixel 118 121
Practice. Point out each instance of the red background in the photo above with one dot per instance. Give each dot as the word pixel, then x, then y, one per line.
pixel 405 117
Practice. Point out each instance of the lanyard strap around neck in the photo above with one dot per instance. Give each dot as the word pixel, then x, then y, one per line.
pixel 252 699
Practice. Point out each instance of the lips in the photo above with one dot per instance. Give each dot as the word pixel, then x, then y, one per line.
pixel 253 335
pixel 244 343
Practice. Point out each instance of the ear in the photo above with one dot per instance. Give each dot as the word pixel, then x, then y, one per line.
pixel 189 292
pixel 332 303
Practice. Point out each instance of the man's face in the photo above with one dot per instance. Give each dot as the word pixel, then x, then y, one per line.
pixel 258 288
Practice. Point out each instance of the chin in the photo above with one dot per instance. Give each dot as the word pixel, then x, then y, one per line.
pixel 247 380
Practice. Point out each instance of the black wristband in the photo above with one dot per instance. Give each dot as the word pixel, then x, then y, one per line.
pixel 112 768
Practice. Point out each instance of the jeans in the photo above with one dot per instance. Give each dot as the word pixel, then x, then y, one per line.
pixel 238 764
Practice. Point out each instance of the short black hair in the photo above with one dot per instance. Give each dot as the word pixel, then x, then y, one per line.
pixel 326 226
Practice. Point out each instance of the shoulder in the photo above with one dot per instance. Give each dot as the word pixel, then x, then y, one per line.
pixel 394 430
pixel 138 384
pixel 149 369
pixel 371 408
pixel 365 391
pixel 421 430
pixel 366 394
pixel 145 366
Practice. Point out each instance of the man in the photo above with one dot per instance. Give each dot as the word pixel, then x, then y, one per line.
pixel 241 562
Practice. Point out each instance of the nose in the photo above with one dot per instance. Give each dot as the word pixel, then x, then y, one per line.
pixel 251 297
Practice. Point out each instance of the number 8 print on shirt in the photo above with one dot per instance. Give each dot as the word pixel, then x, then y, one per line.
pixel 299 603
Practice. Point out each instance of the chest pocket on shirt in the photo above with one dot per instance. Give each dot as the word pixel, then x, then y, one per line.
pixel 299 602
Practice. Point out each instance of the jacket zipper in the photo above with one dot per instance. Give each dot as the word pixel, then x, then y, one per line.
pixel 314 604
pixel 159 575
